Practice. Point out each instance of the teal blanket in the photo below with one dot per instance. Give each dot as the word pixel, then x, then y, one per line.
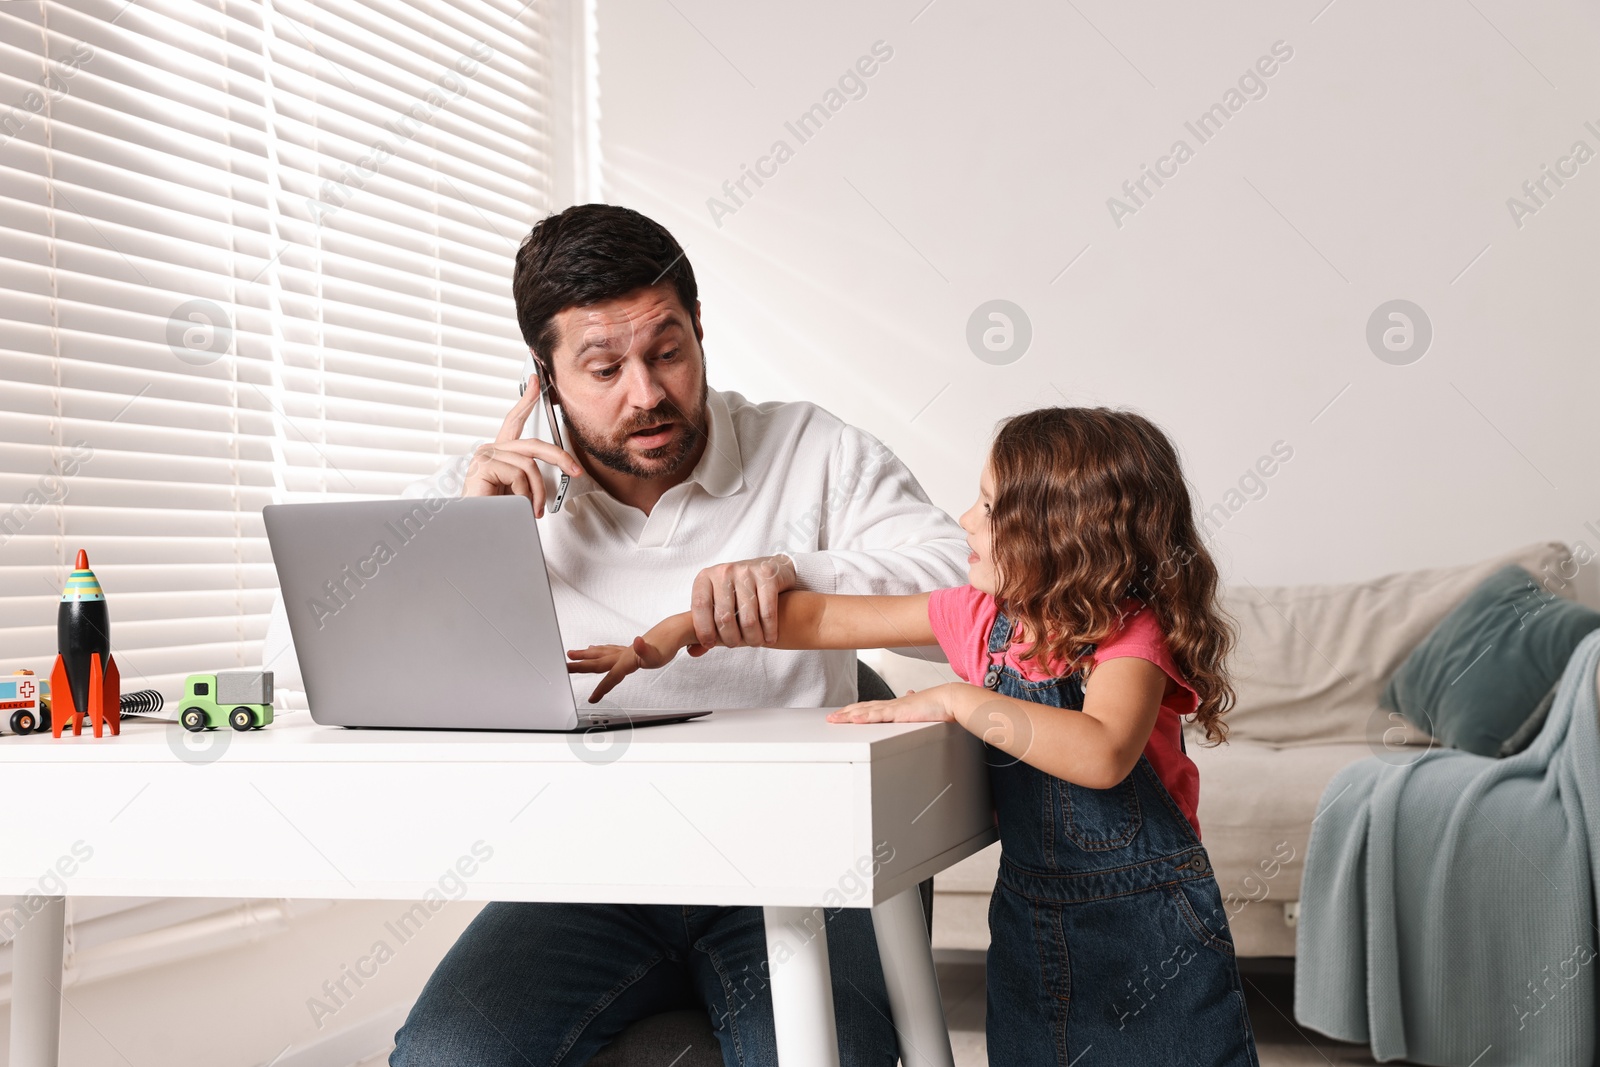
pixel 1447 914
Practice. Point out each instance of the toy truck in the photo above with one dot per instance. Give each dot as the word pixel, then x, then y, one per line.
pixel 23 702
pixel 240 699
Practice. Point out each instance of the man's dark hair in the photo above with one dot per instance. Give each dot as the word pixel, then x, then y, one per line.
pixel 587 254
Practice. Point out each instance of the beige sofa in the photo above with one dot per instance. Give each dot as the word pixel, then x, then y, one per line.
pixel 1310 664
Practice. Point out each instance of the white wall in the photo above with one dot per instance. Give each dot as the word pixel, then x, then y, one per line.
pixel 1231 308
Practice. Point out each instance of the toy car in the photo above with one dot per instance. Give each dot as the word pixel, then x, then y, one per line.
pixel 22 701
pixel 240 699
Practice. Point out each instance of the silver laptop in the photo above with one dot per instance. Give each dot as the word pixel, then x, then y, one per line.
pixel 429 613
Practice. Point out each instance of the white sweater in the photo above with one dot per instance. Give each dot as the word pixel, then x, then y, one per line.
pixel 775 477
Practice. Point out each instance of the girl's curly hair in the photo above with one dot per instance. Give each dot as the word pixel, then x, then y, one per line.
pixel 1090 509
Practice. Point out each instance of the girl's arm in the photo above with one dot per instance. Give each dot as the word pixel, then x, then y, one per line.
pixel 1096 747
pixel 805 621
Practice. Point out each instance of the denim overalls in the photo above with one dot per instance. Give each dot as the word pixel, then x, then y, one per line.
pixel 1109 945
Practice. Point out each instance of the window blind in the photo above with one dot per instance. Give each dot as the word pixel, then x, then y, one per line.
pixel 250 252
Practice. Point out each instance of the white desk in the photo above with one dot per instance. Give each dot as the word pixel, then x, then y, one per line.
pixel 775 808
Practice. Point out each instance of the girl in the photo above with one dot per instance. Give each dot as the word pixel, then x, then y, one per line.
pixel 1089 632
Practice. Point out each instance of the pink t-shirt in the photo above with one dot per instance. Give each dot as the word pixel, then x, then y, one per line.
pixel 962 618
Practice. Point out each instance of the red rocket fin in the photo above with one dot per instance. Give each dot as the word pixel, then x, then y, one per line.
pixel 62 710
pixel 60 697
pixel 112 707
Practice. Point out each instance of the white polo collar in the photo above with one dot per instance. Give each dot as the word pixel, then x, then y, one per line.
pixel 720 471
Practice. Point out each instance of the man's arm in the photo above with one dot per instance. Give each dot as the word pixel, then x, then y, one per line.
pixel 874 533
pixel 804 620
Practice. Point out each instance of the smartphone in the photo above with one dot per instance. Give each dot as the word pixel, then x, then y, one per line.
pixel 530 367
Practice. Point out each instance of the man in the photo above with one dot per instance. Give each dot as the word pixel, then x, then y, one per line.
pixel 669 475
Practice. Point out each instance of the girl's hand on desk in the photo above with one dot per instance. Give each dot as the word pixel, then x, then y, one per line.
pixel 926 706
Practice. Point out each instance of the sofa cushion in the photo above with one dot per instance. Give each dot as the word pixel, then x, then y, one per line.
pixel 1486 669
pixel 1523 735
pixel 1312 660
pixel 1257 803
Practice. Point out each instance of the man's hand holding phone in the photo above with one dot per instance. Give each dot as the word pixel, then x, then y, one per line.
pixel 509 463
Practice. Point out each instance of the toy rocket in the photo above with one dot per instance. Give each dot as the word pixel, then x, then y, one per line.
pixel 84 680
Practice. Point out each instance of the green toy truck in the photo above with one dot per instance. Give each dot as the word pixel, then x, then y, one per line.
pixel 241 699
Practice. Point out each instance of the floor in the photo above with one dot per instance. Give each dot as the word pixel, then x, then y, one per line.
pixel 1269 991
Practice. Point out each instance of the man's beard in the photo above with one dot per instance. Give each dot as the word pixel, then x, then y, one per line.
pixel 614 454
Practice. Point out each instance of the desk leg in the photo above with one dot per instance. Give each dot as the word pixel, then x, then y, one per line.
pixel 802 988
pixel 36 955
pixel 913 987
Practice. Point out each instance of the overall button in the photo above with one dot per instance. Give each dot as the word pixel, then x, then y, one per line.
pixel 992 679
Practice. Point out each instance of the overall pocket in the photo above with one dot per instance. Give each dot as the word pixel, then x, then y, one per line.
pixel 1098 820
pixel 1199 904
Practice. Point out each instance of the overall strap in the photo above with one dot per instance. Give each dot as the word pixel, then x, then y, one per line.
pixel 999 633
pixel 1000 637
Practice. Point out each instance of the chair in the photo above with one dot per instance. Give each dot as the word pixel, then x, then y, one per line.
pixel 684 1038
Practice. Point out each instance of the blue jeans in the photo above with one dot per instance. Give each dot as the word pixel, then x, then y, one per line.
pixel 548 985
